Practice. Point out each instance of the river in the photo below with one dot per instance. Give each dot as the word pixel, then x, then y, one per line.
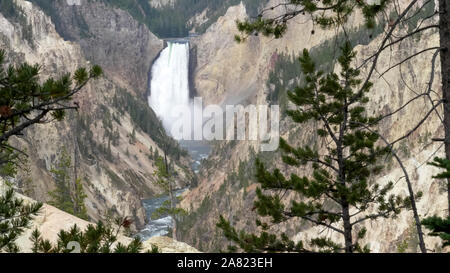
pixel 169 87
pixel 161 226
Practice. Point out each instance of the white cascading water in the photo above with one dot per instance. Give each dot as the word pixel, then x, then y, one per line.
pixel 169 88
pixel 169 85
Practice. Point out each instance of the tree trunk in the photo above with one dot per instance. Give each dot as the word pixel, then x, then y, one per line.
pixel 172 206
pixel 347 227
pixel 172 200
pixel 76 206
pixel 444 33
pixel 422 246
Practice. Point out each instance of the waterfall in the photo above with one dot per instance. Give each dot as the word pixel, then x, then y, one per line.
pixel 169 88
pixel 169 84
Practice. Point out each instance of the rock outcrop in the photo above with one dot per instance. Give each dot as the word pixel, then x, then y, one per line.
pixel 51 221
pixel 111 38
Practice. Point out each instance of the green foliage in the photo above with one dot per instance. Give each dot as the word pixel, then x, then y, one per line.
pixel 339 182
pixel 51 9
pixel 187 222
pixel 164 179
pixel 443 164
pixel 15 217
pixel 162 174
pixel 26 101
pixel 166 209
pixel 234 187
pixel 68 196
pixel 98 238
pixel 265 242
pixel 326 14
pixel 286 72
pixel 78 199
pixel 132 137
pixel 440 226
pixel 410 242
pixel 402 246
pixel 168 21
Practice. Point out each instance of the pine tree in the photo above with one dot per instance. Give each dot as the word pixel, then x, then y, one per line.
pixel 273 22
pixel 165 181
pixel 61 196
pixel 98 238
pixel 24 101
pixel 15 217
pixel 67 196
pixel 326 14
pixel 339 192
pixel 78 199
pixel 132 136
pixel 440 226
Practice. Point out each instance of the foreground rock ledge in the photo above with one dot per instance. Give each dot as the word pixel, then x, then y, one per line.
pixel 51 220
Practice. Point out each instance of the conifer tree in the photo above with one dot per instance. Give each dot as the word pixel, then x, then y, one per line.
pixel 67 196
pixel 339 194
pixel 273 22
pixel 165 181
pixel 15 217
pixel 26 100
pixel 132 136
pixel 61 197
pixel 98 238
pixel 440 226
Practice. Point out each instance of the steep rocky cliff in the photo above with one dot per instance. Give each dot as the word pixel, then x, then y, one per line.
pixel 228 72
pixel 111 38
pixel 112 138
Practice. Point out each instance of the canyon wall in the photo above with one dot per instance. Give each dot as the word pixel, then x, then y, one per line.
pixel 50 221
pixel 110 139
pixel 111 38
pixel 228 72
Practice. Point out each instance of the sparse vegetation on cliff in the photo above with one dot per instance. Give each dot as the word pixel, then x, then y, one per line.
pixel 339 183
pixel 161 20
pixel 69 194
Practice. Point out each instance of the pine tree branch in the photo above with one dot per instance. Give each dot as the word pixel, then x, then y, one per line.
pixel 410 132
pixel 410 189
pixel 381 49
pixel 24 125
pixel 384 214
pixel 41 106
pixel 323 224
pixel 289 214
pixel 408 58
